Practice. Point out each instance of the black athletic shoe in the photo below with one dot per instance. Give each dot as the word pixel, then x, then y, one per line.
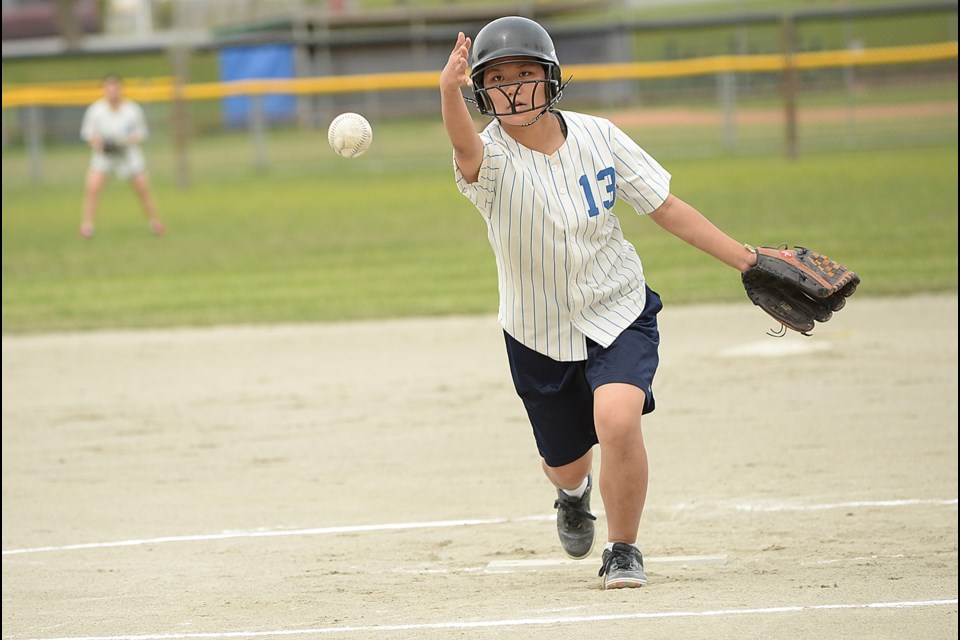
pixel 622 567
pixel 575 522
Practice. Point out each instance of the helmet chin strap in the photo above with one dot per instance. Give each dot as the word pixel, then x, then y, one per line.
pixel 539 115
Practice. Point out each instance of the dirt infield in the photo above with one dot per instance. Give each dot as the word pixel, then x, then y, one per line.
pixel 378 480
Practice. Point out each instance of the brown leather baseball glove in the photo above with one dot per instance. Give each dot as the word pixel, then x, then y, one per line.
pixel 112 148
pixel 798 287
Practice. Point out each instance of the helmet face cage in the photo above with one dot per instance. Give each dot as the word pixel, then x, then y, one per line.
pixel 520 38
pixel 509 90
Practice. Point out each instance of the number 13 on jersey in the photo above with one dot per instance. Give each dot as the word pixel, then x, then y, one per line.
pixel 606 181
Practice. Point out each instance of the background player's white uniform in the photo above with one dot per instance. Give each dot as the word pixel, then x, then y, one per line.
pixel 100 120
pixel 565 270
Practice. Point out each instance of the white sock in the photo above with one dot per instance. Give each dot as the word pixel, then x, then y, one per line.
pixel 609 546
pixel 578 492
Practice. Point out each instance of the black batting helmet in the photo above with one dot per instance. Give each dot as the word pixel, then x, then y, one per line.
pixel 512 37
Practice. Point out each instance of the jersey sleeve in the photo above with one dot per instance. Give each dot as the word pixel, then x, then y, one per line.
pixel 641 180
pixel 88 124
pixel 481 192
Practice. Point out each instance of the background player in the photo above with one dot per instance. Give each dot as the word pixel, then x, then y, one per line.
pixel 114 127
pixel 579 321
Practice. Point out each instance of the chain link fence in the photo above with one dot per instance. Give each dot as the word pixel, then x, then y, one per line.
pixel 745 83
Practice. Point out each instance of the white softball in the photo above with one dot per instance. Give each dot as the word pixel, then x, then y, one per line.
pixel 350 135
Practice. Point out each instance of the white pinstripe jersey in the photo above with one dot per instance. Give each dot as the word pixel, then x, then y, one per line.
pixel 565 270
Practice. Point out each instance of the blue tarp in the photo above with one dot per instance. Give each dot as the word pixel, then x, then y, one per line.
pixel 257 61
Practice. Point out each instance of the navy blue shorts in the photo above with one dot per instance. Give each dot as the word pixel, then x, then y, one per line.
pixel 558 396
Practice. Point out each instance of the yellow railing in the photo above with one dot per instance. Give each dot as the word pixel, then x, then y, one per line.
pixel 165 90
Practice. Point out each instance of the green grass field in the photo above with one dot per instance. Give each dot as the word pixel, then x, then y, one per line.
pixel 311 237
pixel 317 238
